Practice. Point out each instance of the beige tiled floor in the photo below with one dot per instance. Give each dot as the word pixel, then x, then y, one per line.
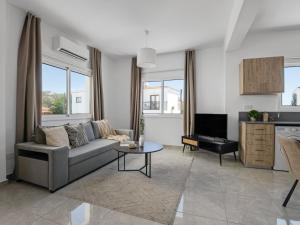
pixel 214 195
pixel 235 195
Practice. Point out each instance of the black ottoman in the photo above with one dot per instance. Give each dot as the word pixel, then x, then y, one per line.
pixel 218 145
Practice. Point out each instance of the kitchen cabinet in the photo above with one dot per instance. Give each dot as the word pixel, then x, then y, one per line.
pixel 262 76
pixel 257 145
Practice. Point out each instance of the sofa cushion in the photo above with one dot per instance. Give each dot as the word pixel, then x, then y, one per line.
pixel 89 130
pixel 105 128
pixel 96 130
pixel 39 136
pixel 56 136
pixel 94 148
pixel 77 135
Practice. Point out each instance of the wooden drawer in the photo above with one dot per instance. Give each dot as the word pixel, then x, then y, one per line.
pixel 260 149
pixel 255 139
pixel 189 142
pixel 260 129
pixel 260 162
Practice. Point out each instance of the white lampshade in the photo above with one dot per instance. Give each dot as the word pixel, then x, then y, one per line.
pixel 146 58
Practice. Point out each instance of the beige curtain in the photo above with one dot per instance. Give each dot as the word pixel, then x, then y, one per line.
pixel 135 98
pixel 97 84
pixel 29 80
pixel 189 93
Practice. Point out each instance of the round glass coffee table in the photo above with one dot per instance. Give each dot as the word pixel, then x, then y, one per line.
pixel 147 150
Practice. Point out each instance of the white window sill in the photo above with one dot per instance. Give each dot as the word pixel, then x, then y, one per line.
pixel 289 109
pixel 60 118
pixel 179 116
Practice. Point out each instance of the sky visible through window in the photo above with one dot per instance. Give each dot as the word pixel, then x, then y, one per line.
pixel 291 82
pixel 54 79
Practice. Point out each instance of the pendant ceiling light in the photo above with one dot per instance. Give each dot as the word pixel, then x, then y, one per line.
pixel 146 57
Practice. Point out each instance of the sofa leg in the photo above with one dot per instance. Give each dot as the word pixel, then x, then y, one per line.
pixel 220 157
pixel 290 194
pixel 234 156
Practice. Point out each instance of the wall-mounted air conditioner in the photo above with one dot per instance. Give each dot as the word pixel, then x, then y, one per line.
pixel 70 48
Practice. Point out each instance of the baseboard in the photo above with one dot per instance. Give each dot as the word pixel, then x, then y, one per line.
pixel 174 146
pixel 10 163
pixel 3 182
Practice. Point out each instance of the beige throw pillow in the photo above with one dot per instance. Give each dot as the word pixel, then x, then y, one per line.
pixel 105 129
pixel 56 136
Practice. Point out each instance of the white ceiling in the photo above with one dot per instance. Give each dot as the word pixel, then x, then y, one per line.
pixel 117 26
pixel 278 14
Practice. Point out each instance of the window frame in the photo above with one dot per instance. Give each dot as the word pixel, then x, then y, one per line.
pixel 161 76
pixel 288 107
pixel 69 68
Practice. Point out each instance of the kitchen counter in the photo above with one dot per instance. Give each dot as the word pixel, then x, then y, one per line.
pixel 276 123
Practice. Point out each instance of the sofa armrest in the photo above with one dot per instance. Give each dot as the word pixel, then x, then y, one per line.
pixel 127 132
pixel 57 162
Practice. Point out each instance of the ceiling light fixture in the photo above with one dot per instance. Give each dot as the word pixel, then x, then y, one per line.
pixel 146 57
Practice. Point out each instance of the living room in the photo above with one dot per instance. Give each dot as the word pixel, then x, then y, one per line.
pixel 113 112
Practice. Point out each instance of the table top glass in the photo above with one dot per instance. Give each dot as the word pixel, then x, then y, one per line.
pixel 148 147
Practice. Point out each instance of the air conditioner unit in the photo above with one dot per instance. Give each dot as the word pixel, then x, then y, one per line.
pixel 70 48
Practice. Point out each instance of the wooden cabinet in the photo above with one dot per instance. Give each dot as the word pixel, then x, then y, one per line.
pixel 262 76
pixel 257 145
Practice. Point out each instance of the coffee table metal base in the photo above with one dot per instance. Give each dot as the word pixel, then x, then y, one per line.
pixel 146 167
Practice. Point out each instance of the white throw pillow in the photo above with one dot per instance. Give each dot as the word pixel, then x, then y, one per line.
pixel 57 136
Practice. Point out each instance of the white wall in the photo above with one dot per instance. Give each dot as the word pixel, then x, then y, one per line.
pixel 272 43
pixel 2 91
pixel 116 87
pixel 15 19
pixel 210 80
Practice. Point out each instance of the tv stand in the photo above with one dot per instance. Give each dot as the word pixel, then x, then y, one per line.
pixel 213 144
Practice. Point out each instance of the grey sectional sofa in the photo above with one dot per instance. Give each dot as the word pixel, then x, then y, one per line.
pixel 54 167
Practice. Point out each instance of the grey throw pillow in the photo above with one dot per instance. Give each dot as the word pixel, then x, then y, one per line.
pixel 39 137
pixel 89 130
pixel 96 130
pixel 77 135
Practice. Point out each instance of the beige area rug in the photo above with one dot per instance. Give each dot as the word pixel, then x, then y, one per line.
pixel 153 198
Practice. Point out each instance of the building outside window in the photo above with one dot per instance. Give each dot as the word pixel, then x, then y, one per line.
pixel 291 95
pixel 163 97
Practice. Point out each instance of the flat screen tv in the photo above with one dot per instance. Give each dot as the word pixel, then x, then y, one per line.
pixel 212 125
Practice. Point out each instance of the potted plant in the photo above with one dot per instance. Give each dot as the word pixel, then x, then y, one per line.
pixel 142 127
pixel 253 115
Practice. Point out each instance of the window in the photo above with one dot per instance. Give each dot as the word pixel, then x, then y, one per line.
pixel 173 93
pixel 54 82
pixel 291 95
pixel 154 102
pixel 80 93
pixel 64 91
pixel 164 96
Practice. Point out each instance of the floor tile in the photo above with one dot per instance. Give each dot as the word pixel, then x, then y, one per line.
pixel 205 204
pixel 186 219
